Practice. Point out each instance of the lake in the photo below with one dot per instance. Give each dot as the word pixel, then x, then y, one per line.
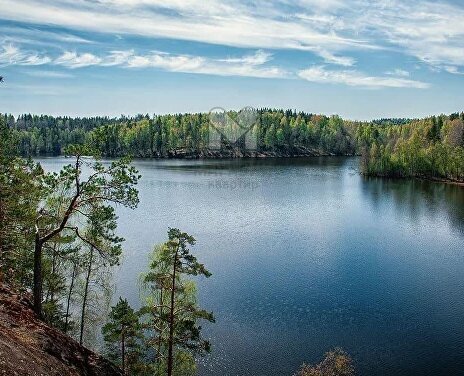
pixel 307 255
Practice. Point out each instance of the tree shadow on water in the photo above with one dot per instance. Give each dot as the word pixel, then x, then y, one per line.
pixel 414 199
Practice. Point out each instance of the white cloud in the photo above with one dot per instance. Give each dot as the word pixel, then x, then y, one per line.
pixel 218 22
pixel 175 63
pixel 34 34
pixel 453 70
pixel 74 60
pixel 354 78
pixel 117 58
pixel 432 32
pixel 249 65
pixel 252 65
pixel 258 58
pixel 398 72
pixel 34 37
pixel 339 60
pixel 12 55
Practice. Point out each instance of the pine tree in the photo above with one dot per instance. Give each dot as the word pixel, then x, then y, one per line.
pixel 172 309
pixel 122 335
pixel 90 198
pixel 20 188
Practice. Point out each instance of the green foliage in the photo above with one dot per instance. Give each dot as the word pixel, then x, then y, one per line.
pixel 67 222
pixel 403 147
pixel 164 337
pixel 142 136
pixel 20 192
pixel 69 200
pixel 430 148
pixel 171 311
pixel 122 335
pixel 45 218
pixel 70 215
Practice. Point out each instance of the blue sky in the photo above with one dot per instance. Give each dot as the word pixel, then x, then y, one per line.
pixel 361 59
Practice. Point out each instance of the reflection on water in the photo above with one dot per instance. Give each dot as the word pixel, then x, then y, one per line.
pixel 419 198
pixel 306 254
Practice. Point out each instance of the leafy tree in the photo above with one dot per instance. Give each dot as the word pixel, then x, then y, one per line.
pixel 429 148
pixel 167 135
pixel 454 132
pixel 270 138
pixel 434 131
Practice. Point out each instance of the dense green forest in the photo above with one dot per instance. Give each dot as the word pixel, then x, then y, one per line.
pixel 427 148
pixel 158 136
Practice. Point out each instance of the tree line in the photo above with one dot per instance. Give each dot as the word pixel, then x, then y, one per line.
pixel 160 135
pixel 431 147
pixel 426 148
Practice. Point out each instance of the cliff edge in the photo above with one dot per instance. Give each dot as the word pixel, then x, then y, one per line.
pixel 28 346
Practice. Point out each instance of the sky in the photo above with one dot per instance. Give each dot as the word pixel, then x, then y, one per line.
pixel 360 59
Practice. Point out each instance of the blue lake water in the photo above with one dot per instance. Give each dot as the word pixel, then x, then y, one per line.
pixel 307 255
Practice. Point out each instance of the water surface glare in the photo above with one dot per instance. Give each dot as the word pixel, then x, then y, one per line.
pixel 307 255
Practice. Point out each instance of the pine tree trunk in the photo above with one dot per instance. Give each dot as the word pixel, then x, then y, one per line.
pixel 50 295
pixel 123 351
pixel 84 300
pixel 171 319
pixel 53 287
pixel 159 338
pixel 68 300
pixel 37 290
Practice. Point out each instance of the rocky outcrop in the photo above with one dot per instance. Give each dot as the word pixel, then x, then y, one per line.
pixel 30 347
pixel 241 153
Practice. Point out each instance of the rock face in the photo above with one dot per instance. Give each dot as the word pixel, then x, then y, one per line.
pixel 30 347
pixel 233 152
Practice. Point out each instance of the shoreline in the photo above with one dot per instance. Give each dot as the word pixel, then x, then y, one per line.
pixel 237 154
pixel 419 177
pixel 221 154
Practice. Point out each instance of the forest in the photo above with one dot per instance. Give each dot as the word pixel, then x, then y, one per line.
pixel 428 148
pixel 425 148
pixel 158 136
